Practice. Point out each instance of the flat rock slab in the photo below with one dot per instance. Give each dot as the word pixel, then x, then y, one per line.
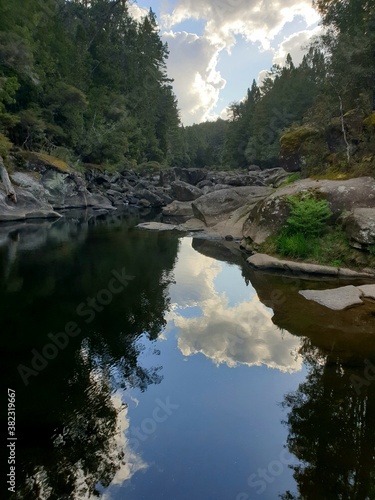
pixel 158 226
pixel 336 299
pixel 266 262
pixel 193 225
pixel 368 291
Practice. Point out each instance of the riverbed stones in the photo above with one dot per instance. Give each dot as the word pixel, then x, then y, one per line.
pixel 336 299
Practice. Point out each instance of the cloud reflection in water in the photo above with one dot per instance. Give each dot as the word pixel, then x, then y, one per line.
pixel 227 331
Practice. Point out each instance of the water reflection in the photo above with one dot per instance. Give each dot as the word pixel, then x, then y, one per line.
pixel 70 418
pixel 74 420
pixel 331 414
pixel 330 425
pixel 222 325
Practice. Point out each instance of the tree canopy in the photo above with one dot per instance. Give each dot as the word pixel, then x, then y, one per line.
pixel 85 79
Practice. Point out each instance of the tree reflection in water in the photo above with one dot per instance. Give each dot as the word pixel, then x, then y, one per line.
pixel 71 421
pixel 332 414
pixel 331 430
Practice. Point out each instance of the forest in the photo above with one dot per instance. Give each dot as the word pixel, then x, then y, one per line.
pixel 87 83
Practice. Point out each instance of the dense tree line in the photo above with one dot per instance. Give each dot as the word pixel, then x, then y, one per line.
pixel 83 79
pixel 315 117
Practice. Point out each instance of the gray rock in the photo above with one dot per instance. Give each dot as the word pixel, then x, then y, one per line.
pixel 182 191
pixel 190 175
pixel 157 226
pixel 31 183
pixel 205 183
pixel 368 291
pixel 219 187
pixel 254 168
pixel 179 209
pixel 132 200
pixel 193 225
pixel 336 299
pixel 268 263
pixel 269 216
pixel 152 198
pixel 27 206
pixel 68 190
pixel 167 177
pixel 144 203
pixel 42 214
pixel 114 193
pixel 239 180
pixel 214 207
pixel 273 177
pixel 360 227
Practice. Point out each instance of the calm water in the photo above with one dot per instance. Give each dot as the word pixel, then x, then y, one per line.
pixel 184 375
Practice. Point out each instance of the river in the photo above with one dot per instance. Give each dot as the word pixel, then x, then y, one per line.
pixel 153 366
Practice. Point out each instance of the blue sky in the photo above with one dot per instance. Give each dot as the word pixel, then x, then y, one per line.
pixel 217 47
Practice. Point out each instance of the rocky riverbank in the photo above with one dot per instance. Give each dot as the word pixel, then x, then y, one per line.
pixel 248 205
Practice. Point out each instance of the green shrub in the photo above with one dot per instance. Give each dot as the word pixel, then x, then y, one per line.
pixel 308 216
pixel 295 245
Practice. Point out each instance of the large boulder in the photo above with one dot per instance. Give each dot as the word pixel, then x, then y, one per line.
pixel 152 198
pixel 273 177
pixel 189 175
pixel 239 180
pixel 214 207
pixel 31 183
pixel 178 209
pixel 360 227
pixel 269 216
pixel 182 191
pixel 27 206
pixel 68 190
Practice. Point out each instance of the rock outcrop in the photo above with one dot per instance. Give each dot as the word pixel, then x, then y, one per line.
pixel 269 216
pixel 360 227
pixel 28 206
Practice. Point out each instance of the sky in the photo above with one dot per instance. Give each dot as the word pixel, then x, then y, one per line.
pixel 218 47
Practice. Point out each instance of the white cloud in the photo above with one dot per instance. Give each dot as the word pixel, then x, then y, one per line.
pixel 295 45
pixel 192 65
pixel 137 12
pixel 193 59
pixel 256 20
pixel 243 334
pixel 131 462
pixel 226 332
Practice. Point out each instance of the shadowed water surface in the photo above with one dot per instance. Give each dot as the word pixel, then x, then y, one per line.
pixel 189 377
